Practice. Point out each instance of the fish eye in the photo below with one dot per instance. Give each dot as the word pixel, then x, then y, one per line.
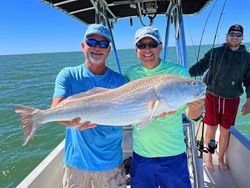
pixel 193 83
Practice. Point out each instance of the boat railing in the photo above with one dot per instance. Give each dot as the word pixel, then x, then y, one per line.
pixel 239 150
pixel 195 163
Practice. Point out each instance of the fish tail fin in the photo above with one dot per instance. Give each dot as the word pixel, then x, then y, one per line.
pixel 29 123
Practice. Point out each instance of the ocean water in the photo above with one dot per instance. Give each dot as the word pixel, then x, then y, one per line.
pixel 29 80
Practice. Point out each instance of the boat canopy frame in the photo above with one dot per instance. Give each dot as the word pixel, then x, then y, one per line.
pixel 84 10
pixel 110 11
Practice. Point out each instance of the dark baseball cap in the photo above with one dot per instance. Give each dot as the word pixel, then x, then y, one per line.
pixel 236 27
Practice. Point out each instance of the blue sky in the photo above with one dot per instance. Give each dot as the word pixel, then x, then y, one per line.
pixel 30 26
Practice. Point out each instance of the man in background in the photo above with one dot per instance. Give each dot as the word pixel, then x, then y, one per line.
pixel 228 68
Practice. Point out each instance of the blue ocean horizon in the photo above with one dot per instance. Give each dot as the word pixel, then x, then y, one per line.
pixel 28 79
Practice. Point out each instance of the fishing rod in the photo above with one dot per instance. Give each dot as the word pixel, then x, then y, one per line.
pixel 215 35
pixel 202 34
pixel 217 27
pixel 212 145
pixel 192 41
pixel 203 31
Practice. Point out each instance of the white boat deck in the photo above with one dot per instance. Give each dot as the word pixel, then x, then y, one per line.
pixel 218 178
pixel 238 159
pixel 49 172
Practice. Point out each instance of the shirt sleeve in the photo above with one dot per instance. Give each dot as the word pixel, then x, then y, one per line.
pixel 185 73
pixel 200 67
pixel 246 80
pixel 127 74
pixel 62 84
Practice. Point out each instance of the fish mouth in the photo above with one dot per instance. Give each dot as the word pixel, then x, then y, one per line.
pixel 202 95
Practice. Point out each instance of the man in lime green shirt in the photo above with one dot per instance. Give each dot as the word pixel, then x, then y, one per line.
pixel 159 157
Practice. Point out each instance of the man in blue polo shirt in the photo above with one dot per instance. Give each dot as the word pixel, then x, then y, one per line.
pixel 93 153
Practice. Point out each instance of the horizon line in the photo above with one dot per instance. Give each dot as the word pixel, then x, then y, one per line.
pixel 50 52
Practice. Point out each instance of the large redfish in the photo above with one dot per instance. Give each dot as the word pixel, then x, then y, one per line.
pixel 137 102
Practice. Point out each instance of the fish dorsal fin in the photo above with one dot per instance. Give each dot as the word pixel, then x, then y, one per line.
pixel 93 91
pixel 84 94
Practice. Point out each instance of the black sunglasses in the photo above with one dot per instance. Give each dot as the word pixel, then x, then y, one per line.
pixel 93 43
pixel 234 34
pixel 141 45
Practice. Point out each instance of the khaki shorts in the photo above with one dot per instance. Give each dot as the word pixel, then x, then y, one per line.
pixel 75 178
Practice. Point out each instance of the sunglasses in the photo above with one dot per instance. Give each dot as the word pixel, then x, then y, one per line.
pixel 234 34
pixel 144 45
pixel 93 43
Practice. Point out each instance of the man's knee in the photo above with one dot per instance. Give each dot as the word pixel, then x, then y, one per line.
pixel 224 131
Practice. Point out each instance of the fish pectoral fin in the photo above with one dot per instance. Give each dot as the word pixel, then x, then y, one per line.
pixel 152 108
pixel 84 94
pixel 96 90
pixel 153 105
